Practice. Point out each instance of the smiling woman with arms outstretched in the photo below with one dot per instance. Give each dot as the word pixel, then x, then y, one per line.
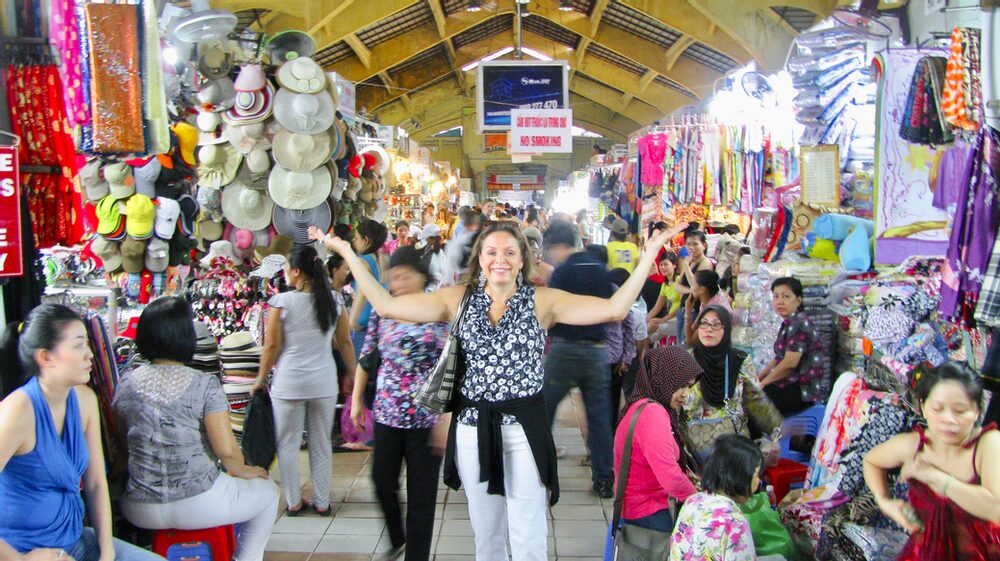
pixel 502 337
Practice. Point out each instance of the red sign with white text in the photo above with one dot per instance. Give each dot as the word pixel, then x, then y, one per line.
pixel 10 214
pixel 541 131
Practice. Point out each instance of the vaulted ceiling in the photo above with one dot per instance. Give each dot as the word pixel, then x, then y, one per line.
pixel 631 61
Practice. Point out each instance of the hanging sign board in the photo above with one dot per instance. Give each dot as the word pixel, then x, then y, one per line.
pixel 494 142
pixel 11 264
pixel 348 94
pixel 506 85
pixel 514 182
pixel 541 131
pixel 821 175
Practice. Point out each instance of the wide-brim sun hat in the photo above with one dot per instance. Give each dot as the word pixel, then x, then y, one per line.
pixel 255 170
pixel 251 107
pixel 217 95
pixel 299 191
pixel 218 165
pixel 215 62
pixel 247 138
pixel 246 208
pixel 304 113
pixel 302 75
pixel 301 152
pixel 295 223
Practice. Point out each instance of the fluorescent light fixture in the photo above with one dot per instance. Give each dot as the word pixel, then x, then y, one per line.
pixel 474 6
pixel 535 54
pixel 488 58
pixel 524 1
pixel 565 5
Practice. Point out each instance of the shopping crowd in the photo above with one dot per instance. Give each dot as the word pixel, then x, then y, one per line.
pixel 645 333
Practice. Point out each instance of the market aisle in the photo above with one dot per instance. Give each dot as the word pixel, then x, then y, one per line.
pixel 577 525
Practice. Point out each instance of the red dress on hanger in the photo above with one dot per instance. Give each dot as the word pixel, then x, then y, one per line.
pixel 950 533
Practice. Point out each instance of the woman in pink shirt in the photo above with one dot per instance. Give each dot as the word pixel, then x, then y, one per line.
pixel 655 473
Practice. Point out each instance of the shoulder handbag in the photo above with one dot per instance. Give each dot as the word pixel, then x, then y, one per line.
pixel 633 543
pixel 438 392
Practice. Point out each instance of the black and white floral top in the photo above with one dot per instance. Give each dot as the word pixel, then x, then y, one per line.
pixel 503 361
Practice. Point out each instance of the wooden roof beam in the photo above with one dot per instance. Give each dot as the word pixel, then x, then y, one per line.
pixel 685 18
pixel 339 22
pixel 359 48
pixel 676 50
pixel 596 13
pixel 581 51
pixel 439 17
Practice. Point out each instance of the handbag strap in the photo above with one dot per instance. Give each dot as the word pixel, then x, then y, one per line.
pixel 624 468
pixel 456 324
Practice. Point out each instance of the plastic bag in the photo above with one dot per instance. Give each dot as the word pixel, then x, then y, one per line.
pixel 351 432
pixel 769 535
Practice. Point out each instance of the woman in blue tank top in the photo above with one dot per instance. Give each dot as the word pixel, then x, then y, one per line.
pixel 50 448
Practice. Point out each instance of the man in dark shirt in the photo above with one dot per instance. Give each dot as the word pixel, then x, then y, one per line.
pixel 577 356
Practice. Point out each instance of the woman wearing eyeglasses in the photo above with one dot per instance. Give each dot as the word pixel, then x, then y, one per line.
pixel 726 395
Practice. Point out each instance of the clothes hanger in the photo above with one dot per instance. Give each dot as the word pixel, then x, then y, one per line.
pixel 17 139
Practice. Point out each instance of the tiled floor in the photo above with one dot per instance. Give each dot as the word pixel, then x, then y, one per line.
pixel 356 532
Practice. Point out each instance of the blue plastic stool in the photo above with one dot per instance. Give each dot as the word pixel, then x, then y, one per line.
pixel 805 423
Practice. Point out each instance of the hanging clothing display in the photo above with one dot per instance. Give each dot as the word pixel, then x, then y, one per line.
pixel 962 100
pixel 37 116
pixel 923 118
pixel 973 232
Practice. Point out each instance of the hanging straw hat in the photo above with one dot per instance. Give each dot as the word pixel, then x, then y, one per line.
pixel 302 75
pixel 304 113
pixel 246 208
pixel 299 191
pixel 295 223
pixel 219 163
pixel 301 152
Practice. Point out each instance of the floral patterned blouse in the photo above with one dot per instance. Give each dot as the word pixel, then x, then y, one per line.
pixel 711 528
pixel 409 352
pixel 748 402
pixel 798 335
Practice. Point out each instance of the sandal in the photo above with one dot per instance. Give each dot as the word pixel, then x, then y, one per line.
pixel 289 511
pixel 327 512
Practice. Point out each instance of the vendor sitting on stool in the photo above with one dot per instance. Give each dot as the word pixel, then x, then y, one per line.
pixel 792 379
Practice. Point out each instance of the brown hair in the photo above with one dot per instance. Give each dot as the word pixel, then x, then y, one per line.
pixel 527 271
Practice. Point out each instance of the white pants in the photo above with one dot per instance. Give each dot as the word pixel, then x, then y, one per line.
pixel 252 503
pixel 521 512
pixel 290 417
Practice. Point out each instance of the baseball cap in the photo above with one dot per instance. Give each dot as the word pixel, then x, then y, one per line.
pixel 133 254
pixel 107 251
pixel 619 226
pixel 430 231
pixel 187 141
pixel 146 175
pixel 157 255
pixel 189 214
pixel 167 213
pixel 110 223
pixel 119 177
pixel 140 214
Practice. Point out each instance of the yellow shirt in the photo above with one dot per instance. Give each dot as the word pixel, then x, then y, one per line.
pixel 673 297
pixel 623 255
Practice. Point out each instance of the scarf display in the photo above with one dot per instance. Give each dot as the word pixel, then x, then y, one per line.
pixel 712 361
pixel 923 119
pixel 37 116
pixel 962 97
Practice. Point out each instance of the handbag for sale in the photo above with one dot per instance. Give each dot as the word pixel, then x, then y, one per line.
pixel 634 543
pixel 258 445
pixel 438 392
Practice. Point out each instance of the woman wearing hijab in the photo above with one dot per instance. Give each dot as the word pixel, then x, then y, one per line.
pixel 727 393
pixel 656 473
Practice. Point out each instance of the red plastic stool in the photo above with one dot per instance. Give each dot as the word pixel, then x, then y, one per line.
pixel 784 475
pixel 218 543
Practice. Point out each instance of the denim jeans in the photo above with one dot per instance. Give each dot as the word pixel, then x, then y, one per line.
pixel 88 549
pixel 660 520
pixel 583 365
pixel 358 340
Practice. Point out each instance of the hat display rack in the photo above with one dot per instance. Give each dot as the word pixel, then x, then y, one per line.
pixel 257 153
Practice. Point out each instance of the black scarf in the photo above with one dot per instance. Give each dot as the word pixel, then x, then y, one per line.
pixel 713 361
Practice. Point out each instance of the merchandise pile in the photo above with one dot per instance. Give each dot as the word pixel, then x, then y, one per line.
pixel 240 355
pixel 206 352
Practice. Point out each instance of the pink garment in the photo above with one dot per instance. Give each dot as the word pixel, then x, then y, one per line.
pixel 654 475
pixel 652 150
pixel 390 246
pixel 64 34
pixel 721 299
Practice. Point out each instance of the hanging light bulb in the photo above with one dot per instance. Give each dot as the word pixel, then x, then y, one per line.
pixel 566 5
pixel 474 6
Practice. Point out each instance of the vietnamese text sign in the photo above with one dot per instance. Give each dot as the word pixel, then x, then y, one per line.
pixel 11 264
pixel 541 131
pixel 506 85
